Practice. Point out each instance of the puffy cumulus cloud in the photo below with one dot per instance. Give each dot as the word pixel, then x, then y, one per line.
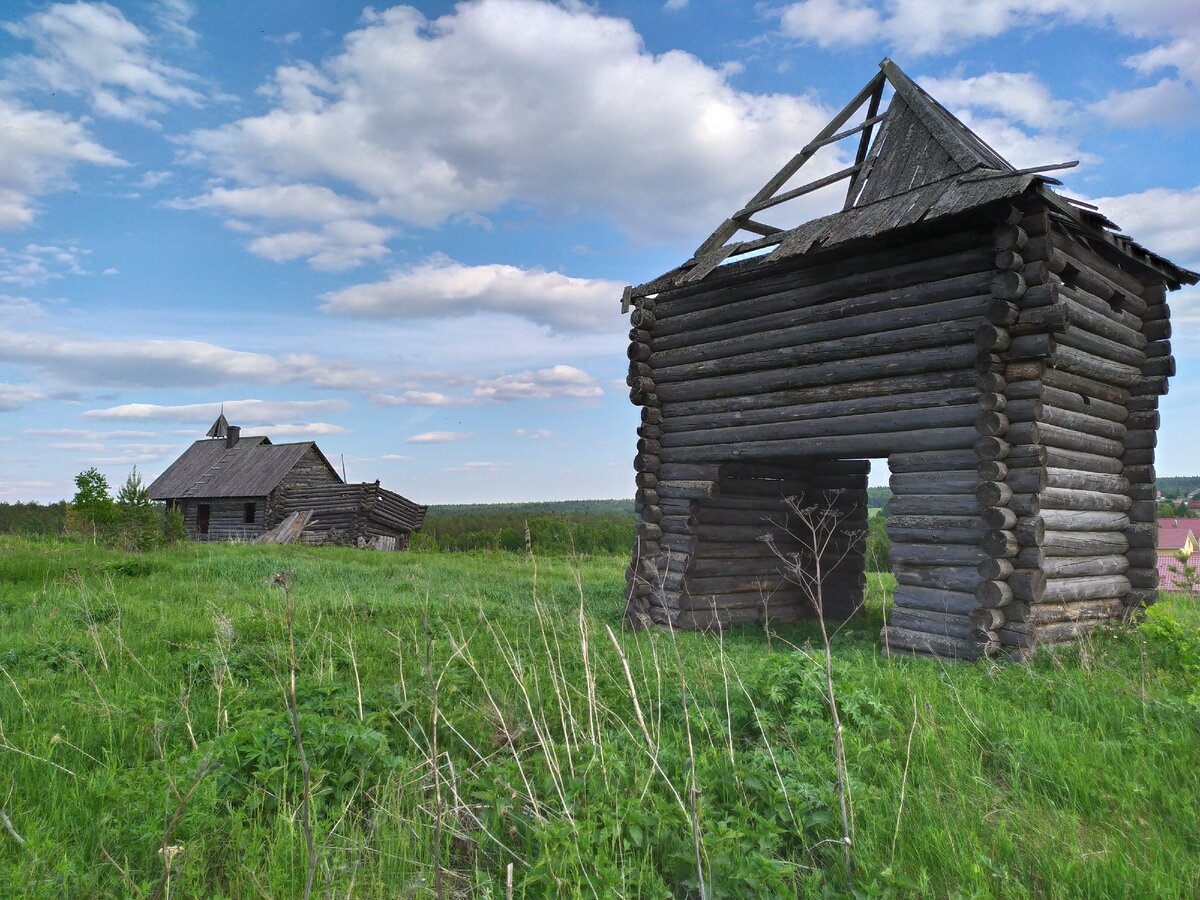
pixel 92 50
pixel 439 437
pixel 14 396
pixel 171 363
pixel 416 398
pixel 1170 102
pixel 556 382
pixel 557 106
pixel 39 149
pixel 441 287
pixel 335 247
pixel 944 26
pixel 293 429
pixel 248 410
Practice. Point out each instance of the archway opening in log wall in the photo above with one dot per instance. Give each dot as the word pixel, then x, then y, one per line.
pixel 744 551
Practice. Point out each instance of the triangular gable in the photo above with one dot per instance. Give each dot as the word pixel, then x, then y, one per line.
pixel 920 149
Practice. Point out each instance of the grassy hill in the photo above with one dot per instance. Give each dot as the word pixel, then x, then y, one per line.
pixel 468 720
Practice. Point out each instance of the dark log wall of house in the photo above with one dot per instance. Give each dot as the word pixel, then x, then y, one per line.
pixel 311 471
pixel 226 518
pixel 863 355
pixel 1008 372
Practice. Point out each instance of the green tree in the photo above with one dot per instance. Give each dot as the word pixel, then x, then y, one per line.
pixel 92 506
pixel 139 520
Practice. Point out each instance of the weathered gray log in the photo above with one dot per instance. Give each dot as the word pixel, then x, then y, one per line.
pixel 994 594
pixel 1068 400
pixel 936 505
pixel 1077 566
pixel 995 569
pixel 932 461
pixel 867 423
pixel 865 445
pixel 910 597
pixel 944 624
pixel 1073 611
pixel 999 517
pixel 1028 584
pixel 1025 504
pixel 1143 578
pixel 966 536
pixel 1083 501
pixel 1137 457
pixel 990 448
pixel 1081 422
pixel 1032 346
pixel 991 424
pixel 1089 365
pixel 1157 331
pixel 938 646
pixel 1031 531
pixel 1025 456
pixel 1094 587
pixel 946 578
pixel 992 470
pixel 1000 544
pixel 1164 366
pixel 1065 380
pixel 1084 543
pixel 1142 557
pixel 1008 285
pixel 993 493
pixel 992 337
pixel 689 490
pixel 1035 479
pixel 1002 313
pixel 879 365
pixel 949 554
pixel 1066 439
pixel 1101 347
pixel 945 482
pixel 1052 319
pixel 1072 520
pixel 1144 419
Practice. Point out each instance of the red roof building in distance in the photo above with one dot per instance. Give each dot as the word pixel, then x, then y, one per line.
pixel 1173 578
pixel 1178 536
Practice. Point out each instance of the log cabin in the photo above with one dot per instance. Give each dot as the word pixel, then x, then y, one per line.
pixel 1001 344
pixel 231 487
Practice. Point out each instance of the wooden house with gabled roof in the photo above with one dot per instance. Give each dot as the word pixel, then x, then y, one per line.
pixel 1002 345
pixel 231 487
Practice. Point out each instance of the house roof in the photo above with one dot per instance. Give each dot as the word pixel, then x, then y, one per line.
pixel 924 164
pixel 1171 576
pixel 251 468
pixel 1173 533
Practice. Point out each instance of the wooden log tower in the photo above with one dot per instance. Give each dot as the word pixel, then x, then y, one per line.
pixel 1000 344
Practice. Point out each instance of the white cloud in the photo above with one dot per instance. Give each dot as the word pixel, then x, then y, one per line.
pixel 92 50
pixel 1169 102
pixel 439 437
pixel 537 434
pixel 36 264
pixel 251 410
pixel 39 148
pixel 337 246
pixel 14 396
pixel 298 202
pixel 487 468
pixel 415 398
pixel 82 434
pixel 172 363
pixel 559 381
pixel 945 26
pixel 1015 95
pixel 289 429
pixel 556 106
pixel 396 457
pixel 1164 220
pixel 442 287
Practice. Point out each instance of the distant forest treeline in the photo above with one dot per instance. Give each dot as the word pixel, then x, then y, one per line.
pixel 1178 486
pixel 33 518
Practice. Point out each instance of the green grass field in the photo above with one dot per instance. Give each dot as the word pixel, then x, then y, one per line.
pixel 469 724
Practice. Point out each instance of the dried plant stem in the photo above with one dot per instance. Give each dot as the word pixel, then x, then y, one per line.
pixel 284 581
pixel 164 882
pixel 8 826
pixel 693 805
pixel 904 779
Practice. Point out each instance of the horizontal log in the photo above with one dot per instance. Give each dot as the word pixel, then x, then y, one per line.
pixel 932 461
pixel 688 490
pixel 990 447
pixel 1027 584
pixel 1101 347
pixel 1035 479
pixel 1074 611
pixel 1089 365
pixel 1069 519
pixel 1146 579
pixel 1084 543
pixel 993 493
pixel 994 569
pixel 1077 566
pixel 939 646
pixel 947 578
pixel 948 554
pixel 944 482
pixel 931 622
pixel 992 470
pixel 864 445
pixel 936 505
pixel 1095 587
pixel 1025 504
pixel 991 424
pixel 999 517
pixel 1067 439
pixel 909 597
pixel 1081 501
pixel 994 594
pixel 882 365
pixel 999 544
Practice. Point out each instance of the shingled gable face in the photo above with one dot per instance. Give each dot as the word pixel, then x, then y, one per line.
pixel 1000 344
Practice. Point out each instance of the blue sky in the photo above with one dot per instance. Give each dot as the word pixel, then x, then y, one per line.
pixel 403 232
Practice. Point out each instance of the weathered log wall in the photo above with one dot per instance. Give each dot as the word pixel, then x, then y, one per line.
pixel 1007 365
pixel 226 518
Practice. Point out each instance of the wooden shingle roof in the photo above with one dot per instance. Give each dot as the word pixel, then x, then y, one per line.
pixel 251 468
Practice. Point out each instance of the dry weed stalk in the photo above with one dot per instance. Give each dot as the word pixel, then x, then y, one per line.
pixel 693 789
pixel 816 528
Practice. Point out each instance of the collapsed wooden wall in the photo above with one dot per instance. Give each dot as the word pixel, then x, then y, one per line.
pixel 1007 370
